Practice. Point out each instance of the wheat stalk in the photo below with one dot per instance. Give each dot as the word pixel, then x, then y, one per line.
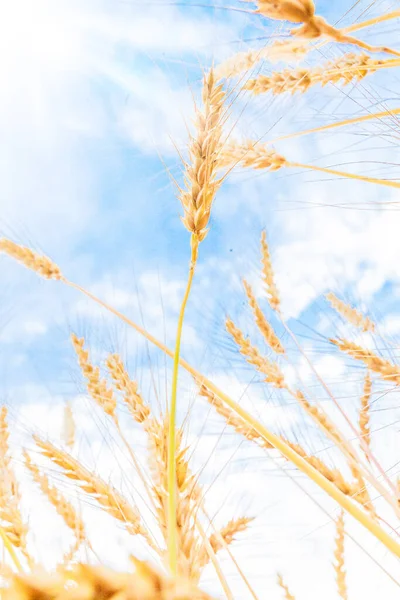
pixel 64 508
pixel 96 386
pixel 265 328
pixel 284 587
pixel 273 374
pixel 352 315
pixel 104 493
pixel 375 363
pixel 339 563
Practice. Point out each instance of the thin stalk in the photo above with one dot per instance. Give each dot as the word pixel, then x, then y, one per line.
pixel 393 184
pixel 10 549
pixel 344 501
pixel 171 467
pixel 374 21
pixel 214 561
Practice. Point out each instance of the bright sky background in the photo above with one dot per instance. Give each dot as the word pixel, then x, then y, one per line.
pixel 97 97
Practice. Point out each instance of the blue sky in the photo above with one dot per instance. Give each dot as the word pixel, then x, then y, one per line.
pixel 98 97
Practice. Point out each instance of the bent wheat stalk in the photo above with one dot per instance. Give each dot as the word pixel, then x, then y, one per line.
pixel 346 503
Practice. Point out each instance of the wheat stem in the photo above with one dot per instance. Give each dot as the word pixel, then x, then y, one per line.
pixel 171 522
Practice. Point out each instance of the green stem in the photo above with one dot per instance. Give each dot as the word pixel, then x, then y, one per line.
pixel 8 545
pixel 171 472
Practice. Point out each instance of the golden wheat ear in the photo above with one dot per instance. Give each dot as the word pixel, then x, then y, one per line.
pixel 339 563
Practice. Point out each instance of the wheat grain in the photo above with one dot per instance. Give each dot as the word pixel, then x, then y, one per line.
pixel 339 563
pixel 352 315
pixel 132 398
pixel 61 504
pixel 273 374
pixel 284 587
pixel 345 70
pixel 375 363
pixel 104 493
pixel 265 328
pixel 10 497
pixel 96 386
pixel 250 154
pixel 200 173
pixel 32 260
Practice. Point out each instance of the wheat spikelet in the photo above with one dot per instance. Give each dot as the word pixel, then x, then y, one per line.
pixel 280 50
pixel 375 363
pixel 96 386
pixel 273 374
pixel 105 494
pixel 346 69
pixel 61 504
pixel 134 401
pixel 88 582
pixel 364 417
pixel 10 514
pixel 284 587
pixel 32 260
pixel 189 494
pixel 68 433
pixel 265 328
pixel 351 314
pixel 322 420
pixel 339 563
pixel 250 154
pixel 268 274
pixel 200 173
pixel 223 538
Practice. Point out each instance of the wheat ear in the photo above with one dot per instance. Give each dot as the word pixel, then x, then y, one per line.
pixel 129 388
pixel 375 363
pixel 282 584
pixel 224 537
pixel 95 582
pixel 364 417
pixel 273 374
pixel 12 523
pixel 69 429
pixel 345 70
pixel 265 328
pixel 41 264
pixel 61 504
pixel 104 493
pixel 96 386
pixel 352 315
pixel 339 563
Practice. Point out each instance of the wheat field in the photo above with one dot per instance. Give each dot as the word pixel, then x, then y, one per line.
pixel 199 361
